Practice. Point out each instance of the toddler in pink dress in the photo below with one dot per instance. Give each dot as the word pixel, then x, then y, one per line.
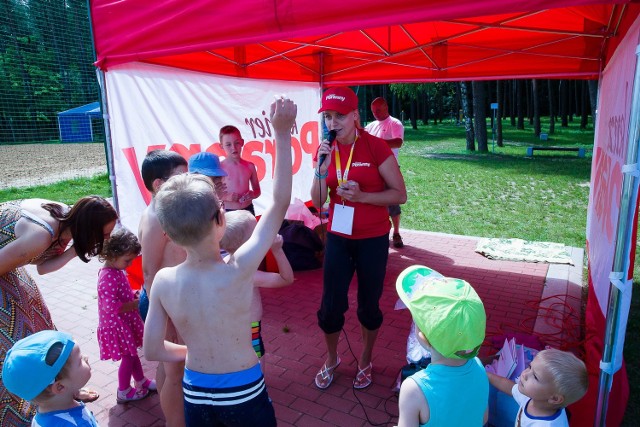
pixel 120 326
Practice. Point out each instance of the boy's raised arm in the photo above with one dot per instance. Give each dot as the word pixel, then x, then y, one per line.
pixel 282 116
pixel 284 276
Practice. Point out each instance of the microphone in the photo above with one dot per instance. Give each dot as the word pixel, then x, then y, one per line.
pixel 330 138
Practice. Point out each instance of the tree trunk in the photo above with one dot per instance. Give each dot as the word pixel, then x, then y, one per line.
pixel 536 107
pixel 593 99
pixel 564 101
pixel 514 101
pixel 499 96
pixel 414 114
pixel 458 105
pixel 506 100
pixel 584 118
pixel 530 95
pixel 480 114
pixel 520 103
pixel 552 115
pixel 466 111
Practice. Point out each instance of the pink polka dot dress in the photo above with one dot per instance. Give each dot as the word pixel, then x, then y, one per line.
pixel 118 333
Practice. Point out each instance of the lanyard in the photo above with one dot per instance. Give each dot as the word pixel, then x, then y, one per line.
pixel 342 180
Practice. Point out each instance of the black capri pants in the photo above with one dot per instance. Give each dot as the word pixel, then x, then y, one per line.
pixel 342 257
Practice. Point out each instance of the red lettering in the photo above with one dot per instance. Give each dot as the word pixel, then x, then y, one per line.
pixel 184 151
pixel 132 159
pixel 270 150
pixel 297 155
pixel 155 147
pixel 607 188
pixel 248 151
pixel 216 149
pixel 309 137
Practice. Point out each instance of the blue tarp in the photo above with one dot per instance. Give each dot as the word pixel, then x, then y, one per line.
pixel 74 125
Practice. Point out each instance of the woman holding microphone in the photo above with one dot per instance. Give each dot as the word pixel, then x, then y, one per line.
pixel 360 176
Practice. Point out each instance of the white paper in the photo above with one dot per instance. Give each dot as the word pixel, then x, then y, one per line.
pixel 342 219
pixel 507 362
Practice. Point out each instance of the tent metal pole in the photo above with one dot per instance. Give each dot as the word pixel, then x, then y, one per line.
pixel 107 137
pixel 621 261
pixel 104 107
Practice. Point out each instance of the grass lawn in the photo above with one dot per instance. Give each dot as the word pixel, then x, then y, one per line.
pixel 502 193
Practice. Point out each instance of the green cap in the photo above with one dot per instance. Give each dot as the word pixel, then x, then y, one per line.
pixel 448 311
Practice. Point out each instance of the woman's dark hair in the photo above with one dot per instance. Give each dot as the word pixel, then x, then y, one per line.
pixel 122 242
pixel 85 220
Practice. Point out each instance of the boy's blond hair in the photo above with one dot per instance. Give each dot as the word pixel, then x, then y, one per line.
pixel 239 226
pixel 186 206
pixel 569 374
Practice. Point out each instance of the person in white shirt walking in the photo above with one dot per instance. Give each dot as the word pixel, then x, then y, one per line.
pixel 390 129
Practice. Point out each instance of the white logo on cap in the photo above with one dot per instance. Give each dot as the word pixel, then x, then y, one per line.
pixel 333 96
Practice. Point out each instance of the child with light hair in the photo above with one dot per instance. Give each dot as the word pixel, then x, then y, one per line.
pixel 48 368
pixel 554 380
pixel 240 226
pixel 209 300
pixel 453 389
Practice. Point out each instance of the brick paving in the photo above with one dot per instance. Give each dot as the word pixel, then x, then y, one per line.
pixel 519 297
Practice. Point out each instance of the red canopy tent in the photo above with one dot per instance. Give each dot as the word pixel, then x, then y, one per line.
pixel 337 42
pixel 363 42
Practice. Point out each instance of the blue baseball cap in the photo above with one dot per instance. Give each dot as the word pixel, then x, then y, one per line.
pixel 25 372
pixel 206 163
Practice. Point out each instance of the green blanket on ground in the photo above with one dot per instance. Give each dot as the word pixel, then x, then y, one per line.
pixel 523 250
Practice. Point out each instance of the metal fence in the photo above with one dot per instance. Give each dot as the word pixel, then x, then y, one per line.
pixel 48 86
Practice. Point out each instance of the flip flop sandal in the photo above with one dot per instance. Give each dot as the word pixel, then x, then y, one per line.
pixel 324 377
pixel 86 395
pixel 363 378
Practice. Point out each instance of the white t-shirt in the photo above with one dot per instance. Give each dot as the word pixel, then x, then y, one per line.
pixel 523 419
pixel 389 128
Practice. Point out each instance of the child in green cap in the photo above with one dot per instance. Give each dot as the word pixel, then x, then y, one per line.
pixel 450 322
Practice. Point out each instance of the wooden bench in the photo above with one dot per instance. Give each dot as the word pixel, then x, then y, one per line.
pixel 581 151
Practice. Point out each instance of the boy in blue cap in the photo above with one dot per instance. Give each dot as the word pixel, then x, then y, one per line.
pixel 208 164
pixel 450 322
pixel 47 368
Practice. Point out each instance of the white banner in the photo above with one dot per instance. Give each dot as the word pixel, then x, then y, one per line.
pixel 609 155
pixel 154 107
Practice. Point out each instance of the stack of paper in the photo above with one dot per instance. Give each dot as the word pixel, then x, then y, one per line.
pixel 511 361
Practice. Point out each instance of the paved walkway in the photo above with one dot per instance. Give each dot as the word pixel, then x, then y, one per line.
pixel 519 297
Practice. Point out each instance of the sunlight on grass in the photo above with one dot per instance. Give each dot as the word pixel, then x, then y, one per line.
pixel 451 190
pixel 67 191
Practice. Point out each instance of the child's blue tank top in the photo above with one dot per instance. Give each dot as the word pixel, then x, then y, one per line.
pixel 457 395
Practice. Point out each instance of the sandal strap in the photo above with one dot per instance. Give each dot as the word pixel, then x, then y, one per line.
pixel 326 372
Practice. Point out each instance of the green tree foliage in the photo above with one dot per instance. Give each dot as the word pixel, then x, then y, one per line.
pixel 46 58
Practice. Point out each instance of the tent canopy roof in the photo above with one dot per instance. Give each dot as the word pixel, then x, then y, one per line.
pixel 92 109
pixel 339 42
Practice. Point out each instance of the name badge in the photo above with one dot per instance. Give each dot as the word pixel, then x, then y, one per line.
pixel 342 219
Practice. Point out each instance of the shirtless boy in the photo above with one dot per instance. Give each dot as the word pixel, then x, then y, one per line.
pixel 209 300
pixel 242 178
pixel 158 252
